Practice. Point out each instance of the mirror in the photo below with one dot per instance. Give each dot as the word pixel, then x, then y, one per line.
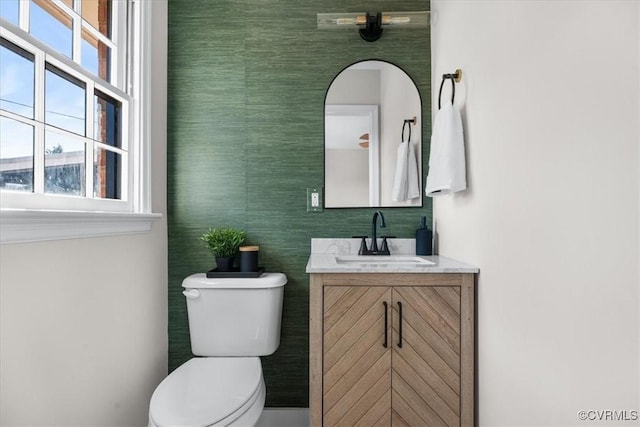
pixel 366 162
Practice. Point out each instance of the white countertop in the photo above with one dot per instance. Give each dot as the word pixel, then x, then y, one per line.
pixel 324 253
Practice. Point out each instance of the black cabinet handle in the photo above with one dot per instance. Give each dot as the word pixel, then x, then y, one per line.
pixel 386 323
pixel 399 324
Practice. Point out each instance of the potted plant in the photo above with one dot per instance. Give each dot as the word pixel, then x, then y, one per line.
pixel 223 243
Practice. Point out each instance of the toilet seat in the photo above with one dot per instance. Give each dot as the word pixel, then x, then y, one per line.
pixel 208 391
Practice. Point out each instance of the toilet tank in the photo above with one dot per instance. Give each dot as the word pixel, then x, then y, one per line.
pixel 234 316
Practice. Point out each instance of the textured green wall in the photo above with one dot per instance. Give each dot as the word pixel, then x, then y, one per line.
pixel 247 81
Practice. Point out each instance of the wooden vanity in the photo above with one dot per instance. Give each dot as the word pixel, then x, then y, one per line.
pixel 391 349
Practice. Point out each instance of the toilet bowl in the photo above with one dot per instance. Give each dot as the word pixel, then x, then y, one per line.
pixel 210 391
pixel 232 322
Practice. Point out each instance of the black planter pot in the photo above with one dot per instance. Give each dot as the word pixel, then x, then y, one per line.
pixel 224 264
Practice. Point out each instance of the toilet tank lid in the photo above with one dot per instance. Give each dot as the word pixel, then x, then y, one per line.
pixel 267 280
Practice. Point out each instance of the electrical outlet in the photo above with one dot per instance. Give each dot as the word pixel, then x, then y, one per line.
pixel 314 199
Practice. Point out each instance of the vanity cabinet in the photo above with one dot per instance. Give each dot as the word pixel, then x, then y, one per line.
pixel 392 349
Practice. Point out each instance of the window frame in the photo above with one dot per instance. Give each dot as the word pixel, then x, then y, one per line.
pixel 26 217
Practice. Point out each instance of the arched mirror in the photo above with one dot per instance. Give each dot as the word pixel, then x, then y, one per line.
pixel 372 138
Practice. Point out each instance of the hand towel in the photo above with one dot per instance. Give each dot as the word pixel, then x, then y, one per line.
pixel 406 183
pixel 447 169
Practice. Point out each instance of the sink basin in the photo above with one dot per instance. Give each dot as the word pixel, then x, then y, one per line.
pixel 382 260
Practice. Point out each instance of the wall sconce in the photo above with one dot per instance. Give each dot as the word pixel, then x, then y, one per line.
pixel 371 25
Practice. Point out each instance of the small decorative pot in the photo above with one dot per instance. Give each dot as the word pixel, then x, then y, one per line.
pixel 224 264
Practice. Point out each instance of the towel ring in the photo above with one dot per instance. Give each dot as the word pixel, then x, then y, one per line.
pixel 454 77
pixel 453 91
pixel 407 122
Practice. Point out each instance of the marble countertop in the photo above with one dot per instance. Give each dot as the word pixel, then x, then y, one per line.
pixel 324 253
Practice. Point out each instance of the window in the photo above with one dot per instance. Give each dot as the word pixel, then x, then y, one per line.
pixel 70 72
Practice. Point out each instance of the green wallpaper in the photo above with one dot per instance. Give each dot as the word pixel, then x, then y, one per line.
pixel 247 81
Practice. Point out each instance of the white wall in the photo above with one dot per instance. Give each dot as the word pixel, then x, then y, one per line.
pixel 83 323
pixel 551 108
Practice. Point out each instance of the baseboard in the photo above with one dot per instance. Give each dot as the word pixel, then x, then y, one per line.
pixel 284 417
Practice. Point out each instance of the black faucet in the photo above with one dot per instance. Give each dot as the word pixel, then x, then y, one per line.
pixel 374 229
pixel 384 250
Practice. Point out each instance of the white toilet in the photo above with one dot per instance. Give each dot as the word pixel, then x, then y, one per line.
pixel 231 322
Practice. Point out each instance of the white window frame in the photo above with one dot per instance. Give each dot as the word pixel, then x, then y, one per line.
pixel 34 217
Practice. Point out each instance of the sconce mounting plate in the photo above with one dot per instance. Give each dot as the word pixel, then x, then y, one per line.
pixel 373 27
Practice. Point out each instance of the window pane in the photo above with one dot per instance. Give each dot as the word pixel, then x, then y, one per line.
pixel 64 101
pixel 96 56
pixel 107 120
pixel 16 155
pixel 106 174
pixel 63 165
pixel 98 14
pixel 51 25
pixel 16 79
pixel 9 10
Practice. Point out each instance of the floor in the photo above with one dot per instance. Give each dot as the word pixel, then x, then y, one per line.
pixel 284 417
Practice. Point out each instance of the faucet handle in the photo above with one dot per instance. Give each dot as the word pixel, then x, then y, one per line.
pixel 384 250
pixel 363 244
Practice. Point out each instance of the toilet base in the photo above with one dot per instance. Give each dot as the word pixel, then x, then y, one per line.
pixel 253 411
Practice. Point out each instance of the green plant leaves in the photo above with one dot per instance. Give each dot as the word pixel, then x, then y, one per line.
pixel 223 242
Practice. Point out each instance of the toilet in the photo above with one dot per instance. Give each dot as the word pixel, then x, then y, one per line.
pixel 232 322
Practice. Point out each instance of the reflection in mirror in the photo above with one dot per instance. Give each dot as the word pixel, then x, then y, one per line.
pixel 365 109
pixel 351 145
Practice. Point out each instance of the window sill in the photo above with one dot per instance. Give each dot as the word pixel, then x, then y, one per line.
pixel 25 225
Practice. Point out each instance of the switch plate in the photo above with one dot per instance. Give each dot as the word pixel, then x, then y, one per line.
pixel 314 199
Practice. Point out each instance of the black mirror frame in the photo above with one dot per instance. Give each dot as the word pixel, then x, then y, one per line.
pixel 324 156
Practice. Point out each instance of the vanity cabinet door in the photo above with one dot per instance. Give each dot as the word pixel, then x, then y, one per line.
pixel 426 356
pixel 356 363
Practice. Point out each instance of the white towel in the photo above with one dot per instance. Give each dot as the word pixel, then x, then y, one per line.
pixel 406 183
pixel 446 162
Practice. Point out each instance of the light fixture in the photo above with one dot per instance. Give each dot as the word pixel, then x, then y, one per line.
pixel 370 25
